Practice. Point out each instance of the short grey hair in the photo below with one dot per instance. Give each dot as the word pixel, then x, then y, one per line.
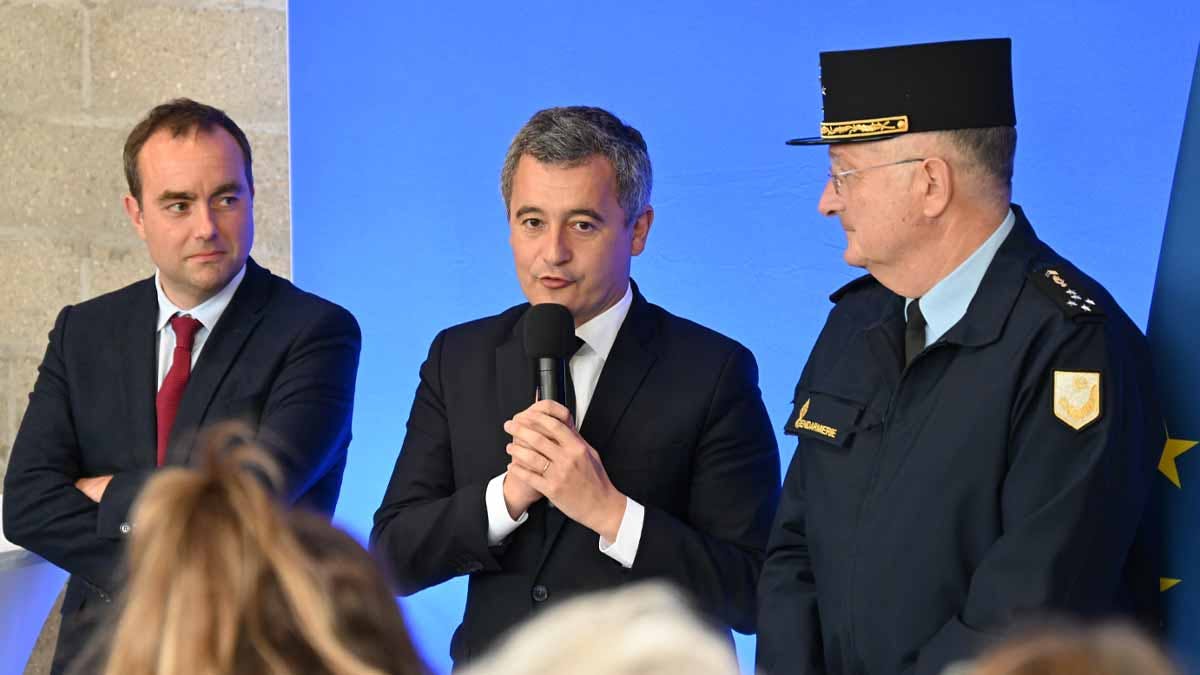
pixel 992 149
pixel 570 136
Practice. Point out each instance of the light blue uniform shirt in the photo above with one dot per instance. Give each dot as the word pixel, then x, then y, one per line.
pixel 947 301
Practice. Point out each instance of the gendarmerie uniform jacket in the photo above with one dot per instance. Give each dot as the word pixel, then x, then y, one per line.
pixel 1004 472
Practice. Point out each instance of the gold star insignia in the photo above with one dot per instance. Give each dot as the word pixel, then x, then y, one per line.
pixel 1165 584
pixel 1171 451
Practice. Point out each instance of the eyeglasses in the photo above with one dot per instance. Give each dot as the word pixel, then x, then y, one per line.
pixel 836 176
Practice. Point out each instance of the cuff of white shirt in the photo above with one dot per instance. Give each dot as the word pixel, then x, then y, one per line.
pixel 500 525
pixel 629 535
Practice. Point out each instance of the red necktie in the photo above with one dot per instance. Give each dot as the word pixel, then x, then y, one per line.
pixel 171 391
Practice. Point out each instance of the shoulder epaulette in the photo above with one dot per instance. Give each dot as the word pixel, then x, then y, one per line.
pixel 861 282
pixel 1074 303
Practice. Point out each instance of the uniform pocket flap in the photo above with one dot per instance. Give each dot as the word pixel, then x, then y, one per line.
pixel 825 418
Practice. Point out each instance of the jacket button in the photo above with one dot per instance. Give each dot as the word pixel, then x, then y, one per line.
pixel 540 593
pixel 125 528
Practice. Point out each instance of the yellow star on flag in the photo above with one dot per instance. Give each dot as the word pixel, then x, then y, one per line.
pixel 1165 584
pixel 1172 450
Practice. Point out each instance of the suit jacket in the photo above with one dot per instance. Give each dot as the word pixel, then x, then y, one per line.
pixel 679 424
pixel 282 360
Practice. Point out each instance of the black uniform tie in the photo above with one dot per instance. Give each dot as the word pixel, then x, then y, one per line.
pixel 914 332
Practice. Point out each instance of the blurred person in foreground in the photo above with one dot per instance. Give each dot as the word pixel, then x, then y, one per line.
pixel 977 425
pixel 224 579
pixel 1107 649
pixel 643 629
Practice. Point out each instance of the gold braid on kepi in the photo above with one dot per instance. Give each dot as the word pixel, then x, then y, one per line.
pixel 872 94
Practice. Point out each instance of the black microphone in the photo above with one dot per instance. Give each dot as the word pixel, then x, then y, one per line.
pixel 549 342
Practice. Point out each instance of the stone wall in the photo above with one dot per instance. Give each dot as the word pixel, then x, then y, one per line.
pixel 75 76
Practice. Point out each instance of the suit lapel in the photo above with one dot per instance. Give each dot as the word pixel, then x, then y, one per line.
pixel 138 360
pixel 239 320
pixel 515 381
pixel 623 373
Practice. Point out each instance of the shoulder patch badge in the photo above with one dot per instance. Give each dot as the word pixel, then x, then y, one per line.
pixel 1073 302
pixel 1076 398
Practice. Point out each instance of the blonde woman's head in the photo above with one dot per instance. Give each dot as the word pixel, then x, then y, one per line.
pixel 222 579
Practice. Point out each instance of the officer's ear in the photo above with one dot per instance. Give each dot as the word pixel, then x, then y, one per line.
pixel 935 177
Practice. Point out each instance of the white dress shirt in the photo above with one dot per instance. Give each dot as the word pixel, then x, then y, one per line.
pixel 598 336
pixel 207 313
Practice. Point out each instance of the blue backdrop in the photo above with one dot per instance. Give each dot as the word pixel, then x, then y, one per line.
pixel 401 114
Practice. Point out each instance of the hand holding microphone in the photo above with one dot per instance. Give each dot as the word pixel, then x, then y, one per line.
pixel 549 338
pixel 549 457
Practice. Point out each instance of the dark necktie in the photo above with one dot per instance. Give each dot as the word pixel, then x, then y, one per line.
pixel 914 332
pixel 570 384
pixel 166 404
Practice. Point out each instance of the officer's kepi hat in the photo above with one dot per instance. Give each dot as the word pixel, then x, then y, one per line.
pixel 873 94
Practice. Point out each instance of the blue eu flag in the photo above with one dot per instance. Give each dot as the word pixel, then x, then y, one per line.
pixel 1175 345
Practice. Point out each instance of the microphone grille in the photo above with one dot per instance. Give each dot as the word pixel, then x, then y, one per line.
pixel 549 331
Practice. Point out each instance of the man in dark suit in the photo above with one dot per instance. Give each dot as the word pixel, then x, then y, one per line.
pixel 120 392
pixel 672 470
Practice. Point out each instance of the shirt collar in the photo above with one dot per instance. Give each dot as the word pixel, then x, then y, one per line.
pixel 207 312
pixel 946 303
pixel 601 331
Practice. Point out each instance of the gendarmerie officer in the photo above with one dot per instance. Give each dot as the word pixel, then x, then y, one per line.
pixel 977 423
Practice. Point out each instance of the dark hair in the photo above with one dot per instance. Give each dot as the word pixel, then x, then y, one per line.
pixel 992 148
pixel 180 116
pixel 570 136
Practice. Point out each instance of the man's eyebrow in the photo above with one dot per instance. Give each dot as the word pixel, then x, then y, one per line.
pixel 231 186
pixel 594 215
pixel 171 196
pixel 590 213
